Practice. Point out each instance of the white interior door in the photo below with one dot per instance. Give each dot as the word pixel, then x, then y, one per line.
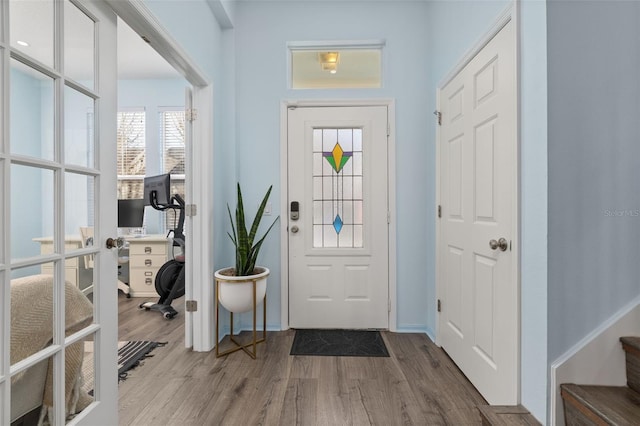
pixel 479 320
pixel 339 243
pixel 57 160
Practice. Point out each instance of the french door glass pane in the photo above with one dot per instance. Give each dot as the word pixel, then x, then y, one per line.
pixel 27 388
pixel 31 28
pixel 79 199
pixel 78 128
pixel 87 371
pixel 79 45
pixel 31 313
pixel 79 221
pixel 32 208
pixel 79 356
pixel 31 108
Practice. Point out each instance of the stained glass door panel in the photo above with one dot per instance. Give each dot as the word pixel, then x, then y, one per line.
pixel 337 188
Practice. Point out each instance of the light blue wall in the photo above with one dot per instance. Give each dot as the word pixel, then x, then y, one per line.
pixel 594 165
pixel 152 95
pixel 193 26
pixel 262 31
pixel 455 26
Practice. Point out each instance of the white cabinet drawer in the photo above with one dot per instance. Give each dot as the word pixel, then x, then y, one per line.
pixel 142 282
pixel 147 261
pixel 147 249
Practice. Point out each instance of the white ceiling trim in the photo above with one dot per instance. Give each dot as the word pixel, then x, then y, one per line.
pixel 221 13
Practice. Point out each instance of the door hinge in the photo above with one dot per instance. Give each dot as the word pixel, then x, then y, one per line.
pixel 389 305
pixel 191 114
pixel 191 305
pixel 388 217
pixel 388 129
pixel 439 306
pixel 439 210
pixel 438 114
pixel 190 210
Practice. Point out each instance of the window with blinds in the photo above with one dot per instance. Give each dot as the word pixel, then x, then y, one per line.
pixel 173 155
pixel 131 150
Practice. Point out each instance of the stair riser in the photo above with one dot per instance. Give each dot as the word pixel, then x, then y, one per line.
pixel 632 356
pixel 576 414
pixel 574 417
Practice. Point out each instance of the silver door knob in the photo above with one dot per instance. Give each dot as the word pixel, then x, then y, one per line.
pixel 501 244
pixel 114 242
pixel 294 229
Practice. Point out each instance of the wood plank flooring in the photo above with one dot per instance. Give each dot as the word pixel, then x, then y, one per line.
pixel 417 385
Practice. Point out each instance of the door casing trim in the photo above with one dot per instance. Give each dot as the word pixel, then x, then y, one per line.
pixel 391 201
pixel 198 229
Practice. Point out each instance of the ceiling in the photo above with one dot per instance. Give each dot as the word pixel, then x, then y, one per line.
pixel 31 24
pixel 138 60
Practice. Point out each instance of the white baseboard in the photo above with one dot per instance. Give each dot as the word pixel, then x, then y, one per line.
pixel 597 359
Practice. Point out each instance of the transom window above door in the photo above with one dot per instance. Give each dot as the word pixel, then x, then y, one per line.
pixel 336 66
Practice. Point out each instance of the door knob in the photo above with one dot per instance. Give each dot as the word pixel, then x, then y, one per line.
pixel 294 229
pixel 114 242
pixel 501 244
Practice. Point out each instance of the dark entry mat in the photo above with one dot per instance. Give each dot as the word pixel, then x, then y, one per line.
pixel 339 343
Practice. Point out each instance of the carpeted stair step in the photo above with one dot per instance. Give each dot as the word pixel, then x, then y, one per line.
pixel 600 405
pixel 499 415
pixel 631 346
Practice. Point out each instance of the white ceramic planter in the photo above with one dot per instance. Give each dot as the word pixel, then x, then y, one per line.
pixel 236 293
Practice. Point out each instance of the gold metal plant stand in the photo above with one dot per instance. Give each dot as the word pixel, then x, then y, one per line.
pixel 255 340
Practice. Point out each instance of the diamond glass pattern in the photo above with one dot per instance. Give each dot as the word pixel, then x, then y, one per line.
pixel 337 188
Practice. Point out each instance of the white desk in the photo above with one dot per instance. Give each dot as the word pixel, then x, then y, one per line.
pixel 146 255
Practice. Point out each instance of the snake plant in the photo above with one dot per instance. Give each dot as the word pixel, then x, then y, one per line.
pixel 246 250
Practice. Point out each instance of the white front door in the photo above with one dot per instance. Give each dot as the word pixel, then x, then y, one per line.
pixel 339 241
pixel 478 324
pixel 57 161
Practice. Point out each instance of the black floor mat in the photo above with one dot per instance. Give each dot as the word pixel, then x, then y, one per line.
pixel 339 343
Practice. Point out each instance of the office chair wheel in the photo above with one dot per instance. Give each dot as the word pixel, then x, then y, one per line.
pixel 128 295
pixel 168 315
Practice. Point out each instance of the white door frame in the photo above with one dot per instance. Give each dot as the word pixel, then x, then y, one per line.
pixel 198 228
pixel 510 14
pixel 284 208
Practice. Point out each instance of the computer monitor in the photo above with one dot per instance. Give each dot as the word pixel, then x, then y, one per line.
pixel 131 213
pixel 161 184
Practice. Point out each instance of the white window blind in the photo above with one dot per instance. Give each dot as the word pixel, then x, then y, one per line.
pixel 173 155
pixel 131 140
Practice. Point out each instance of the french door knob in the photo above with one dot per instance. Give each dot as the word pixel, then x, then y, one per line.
pixel 114 243
pixel 501 244
pixel 294 229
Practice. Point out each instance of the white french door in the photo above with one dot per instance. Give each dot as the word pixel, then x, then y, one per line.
pixel 58 328
pixel 338 217
pixel 479 319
